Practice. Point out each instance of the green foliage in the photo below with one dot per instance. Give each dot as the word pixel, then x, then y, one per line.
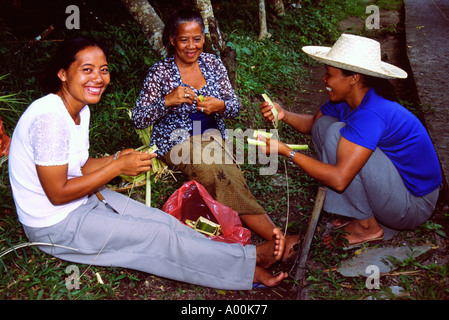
pixel 389 4
pixel 276 65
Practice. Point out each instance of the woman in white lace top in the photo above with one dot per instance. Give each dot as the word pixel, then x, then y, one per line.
pixel 53 179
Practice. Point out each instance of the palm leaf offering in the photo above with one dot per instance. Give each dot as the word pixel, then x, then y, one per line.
pixel 158 167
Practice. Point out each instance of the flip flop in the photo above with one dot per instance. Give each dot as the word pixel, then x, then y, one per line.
pixel 341 243
pixel 258 285
pixel 359 244
pixel 344 223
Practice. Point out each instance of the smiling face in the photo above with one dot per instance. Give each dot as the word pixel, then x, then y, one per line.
pixel 86 79
pixel 188 42
pixel 338 85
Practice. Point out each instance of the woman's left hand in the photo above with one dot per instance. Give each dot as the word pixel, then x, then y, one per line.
pixel 210 105
pixel 180 95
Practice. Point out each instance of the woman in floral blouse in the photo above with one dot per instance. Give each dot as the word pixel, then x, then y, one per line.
pixel 186 97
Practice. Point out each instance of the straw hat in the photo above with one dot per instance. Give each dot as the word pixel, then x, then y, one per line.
pixel 357 54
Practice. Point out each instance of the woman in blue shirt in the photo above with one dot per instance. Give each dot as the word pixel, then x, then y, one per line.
pixel 375 157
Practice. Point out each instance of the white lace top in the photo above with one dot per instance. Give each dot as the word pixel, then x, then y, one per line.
pixel 46 135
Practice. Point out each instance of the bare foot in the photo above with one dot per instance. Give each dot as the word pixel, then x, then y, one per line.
pixel 260 224
pixel 290 251
pixel 271 251
pixel 263 276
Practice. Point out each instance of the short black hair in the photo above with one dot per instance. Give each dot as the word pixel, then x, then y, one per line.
pixel 64 56
pixel 383 87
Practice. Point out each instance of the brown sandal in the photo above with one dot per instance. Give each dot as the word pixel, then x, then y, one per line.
pixel 343 223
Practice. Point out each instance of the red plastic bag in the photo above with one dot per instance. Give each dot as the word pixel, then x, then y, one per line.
pixel 192 200
pixel 4 140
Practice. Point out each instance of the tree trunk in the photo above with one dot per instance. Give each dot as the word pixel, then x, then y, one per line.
pixel 263 33
pixel 153 28
pixel 215 40
pixel 149 22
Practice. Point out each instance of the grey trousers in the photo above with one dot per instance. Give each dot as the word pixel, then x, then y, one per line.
pixel 148 240
pixel 376 191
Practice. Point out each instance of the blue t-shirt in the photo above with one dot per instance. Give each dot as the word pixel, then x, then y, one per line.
pixel 378 122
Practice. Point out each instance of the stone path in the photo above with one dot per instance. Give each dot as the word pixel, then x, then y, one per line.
pixel 427 40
